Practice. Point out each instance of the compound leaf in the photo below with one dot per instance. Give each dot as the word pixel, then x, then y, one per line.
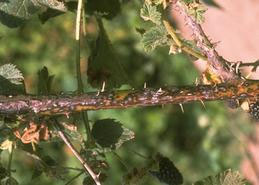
pixel 150 13
pixel 154 37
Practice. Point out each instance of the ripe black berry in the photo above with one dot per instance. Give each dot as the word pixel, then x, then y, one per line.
pixel 254 110
pixel 167 173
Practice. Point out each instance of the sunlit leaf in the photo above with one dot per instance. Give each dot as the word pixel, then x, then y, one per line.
pixel 14 13
pixel 6 145
pixel 197 10
pixel 11 80
pixel 227 177
pixel 150 13
pixel 154 37
pixel 110 134
pixel 11 73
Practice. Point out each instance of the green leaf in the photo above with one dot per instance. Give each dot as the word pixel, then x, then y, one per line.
pixel 167 173
pixel 11 73
pixel 44 81
pixel 9 181
pixel 150 13
pixel 154 37
pixel 104 66
pixel 197 10
pixel 53 4
pixel 8 88
pixel 36 173
pixel 49 13
pixel 211 3
pixel 11 80
pixel 14 13
pixel 110 134
pixel 106 8
pixel 3 172
pixel 227 177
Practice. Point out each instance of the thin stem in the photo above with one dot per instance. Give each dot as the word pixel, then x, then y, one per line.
pixel 78 69
pixel 80 86
pixel 10 161
pixel 75 177
pixel 78 18
pixel 77 155
pixel 120 160
pixel 78 57
pixel 179 43
pixel 217 64
pixel 87 126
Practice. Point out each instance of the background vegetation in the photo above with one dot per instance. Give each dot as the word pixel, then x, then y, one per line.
pixel 201 141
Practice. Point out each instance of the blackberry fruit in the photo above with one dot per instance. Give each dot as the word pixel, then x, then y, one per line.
pixel 167 173
pixel 254 110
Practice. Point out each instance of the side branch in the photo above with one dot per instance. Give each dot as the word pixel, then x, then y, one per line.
pixel 54 105
pixel 217 64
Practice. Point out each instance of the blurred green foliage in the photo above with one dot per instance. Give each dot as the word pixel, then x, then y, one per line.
pixel 200 141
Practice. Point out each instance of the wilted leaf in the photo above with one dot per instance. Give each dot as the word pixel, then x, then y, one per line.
pixel 14 13
pixel 44 81
pixel 150 13
pixel 104 66
pixel 154 37
pixel 110 134
pixel 11 73
pixel 227 177
pixel 107 8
